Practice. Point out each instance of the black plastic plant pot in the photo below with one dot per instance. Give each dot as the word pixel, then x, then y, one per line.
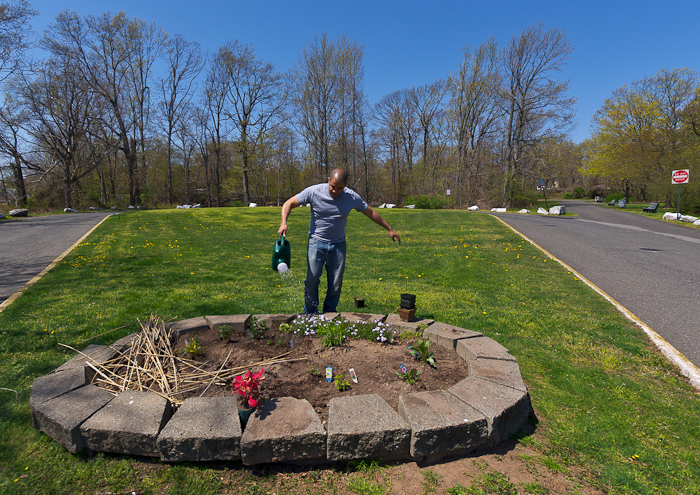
pixel 408 301
pixel 359 303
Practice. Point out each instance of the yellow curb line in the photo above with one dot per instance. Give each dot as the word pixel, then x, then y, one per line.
pixel 687 368
pixel 43 272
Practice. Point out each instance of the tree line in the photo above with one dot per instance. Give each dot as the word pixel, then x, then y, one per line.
pixel 117 112
pixel 643 132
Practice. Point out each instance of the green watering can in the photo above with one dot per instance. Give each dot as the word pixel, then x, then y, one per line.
pixel 282 253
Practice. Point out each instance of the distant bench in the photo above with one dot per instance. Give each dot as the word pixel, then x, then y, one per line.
pixel 651 208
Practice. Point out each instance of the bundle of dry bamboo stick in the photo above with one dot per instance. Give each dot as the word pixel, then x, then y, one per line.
pixel 151 364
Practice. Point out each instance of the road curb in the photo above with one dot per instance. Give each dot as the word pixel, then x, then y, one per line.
pixel 687 368
pixel 43 272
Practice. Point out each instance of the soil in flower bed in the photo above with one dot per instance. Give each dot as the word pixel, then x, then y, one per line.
pixel 302 374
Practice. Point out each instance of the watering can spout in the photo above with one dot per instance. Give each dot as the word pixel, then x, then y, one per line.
pixel 281 255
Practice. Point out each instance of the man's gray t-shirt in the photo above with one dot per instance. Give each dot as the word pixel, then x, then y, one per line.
pixel 329 215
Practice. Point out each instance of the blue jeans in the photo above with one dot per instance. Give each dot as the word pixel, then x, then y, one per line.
pixel 321 253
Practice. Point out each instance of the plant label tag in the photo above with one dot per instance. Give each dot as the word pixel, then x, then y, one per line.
pixel 402 367
pixel 291 344
pixel 353 375
pixel 329 374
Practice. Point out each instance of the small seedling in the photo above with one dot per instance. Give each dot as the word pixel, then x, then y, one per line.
pixel 286 328
pixel 314 371
pixel 193 347
pixel 224 332
pixel 258 328
pixel 410 377
pixel 421 353
pixel 341 384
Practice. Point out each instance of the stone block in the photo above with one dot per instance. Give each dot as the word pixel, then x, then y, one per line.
pixel 504 372
pixel 95 354
pixel 506 409
pixel 441 424
pixel 130 424
pixel 54 385
pixel 362 317
pixel 183 327
pixel 124 344
pixel 482 348
pixel 61 417
pixel 237 323
pixel 400 326
pixel 275 320
pixel 330 316
pixel 202 429
pixel 362 426
pixel 447 335
pixel 283 430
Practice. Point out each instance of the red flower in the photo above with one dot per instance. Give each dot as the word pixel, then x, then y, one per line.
pixel 247 387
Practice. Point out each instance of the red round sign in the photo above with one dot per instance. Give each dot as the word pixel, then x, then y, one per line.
pixel 679 176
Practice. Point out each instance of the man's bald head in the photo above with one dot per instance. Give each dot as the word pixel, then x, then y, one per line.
pixel 339 175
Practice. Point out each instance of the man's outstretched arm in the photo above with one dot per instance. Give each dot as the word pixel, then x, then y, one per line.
pixel 377 218
pixel 292 202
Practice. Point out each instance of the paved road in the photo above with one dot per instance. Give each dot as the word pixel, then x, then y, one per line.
pixel 28 245
pixel 649 266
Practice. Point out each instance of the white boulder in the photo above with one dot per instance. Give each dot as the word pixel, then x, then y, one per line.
pixel 689 218
pixel 253 205
pixel 670 216
pixel 542 211
pixel 557 210
pixel 524 210
pixel 499 210
pixel 473 208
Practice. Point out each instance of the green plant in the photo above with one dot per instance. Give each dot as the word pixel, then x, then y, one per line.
pixel 224 332
pixel 430 482
pixel 286 328
pixel 193 347
pixel 341 384
pixel 258 328
pixel 409 376
pixel 314 371
pixel 422 353
pixel 333 334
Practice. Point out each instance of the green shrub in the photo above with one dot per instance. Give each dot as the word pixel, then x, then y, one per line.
pixel 614 196
pixel 426 202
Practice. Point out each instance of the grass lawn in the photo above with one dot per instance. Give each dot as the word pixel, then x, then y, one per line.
pixel 610 409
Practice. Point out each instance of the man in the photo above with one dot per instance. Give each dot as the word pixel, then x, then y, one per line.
pixel 330 206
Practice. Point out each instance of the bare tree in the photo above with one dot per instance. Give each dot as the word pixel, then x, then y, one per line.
pixel 474 109
pixel 114 56
pixel 255 99
pixel 428 103
pixel 212 126
pixel 536 103
pixel 13 119
pixel 14 34
pixel 63 114
pixel 327 96
pixel 184 63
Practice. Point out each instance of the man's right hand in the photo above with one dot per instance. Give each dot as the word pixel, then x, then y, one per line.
pixel 282 230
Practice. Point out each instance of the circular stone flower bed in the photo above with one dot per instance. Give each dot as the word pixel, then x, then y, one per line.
pixel 475 398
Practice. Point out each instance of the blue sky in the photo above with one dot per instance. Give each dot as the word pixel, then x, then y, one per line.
pixel 409 43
